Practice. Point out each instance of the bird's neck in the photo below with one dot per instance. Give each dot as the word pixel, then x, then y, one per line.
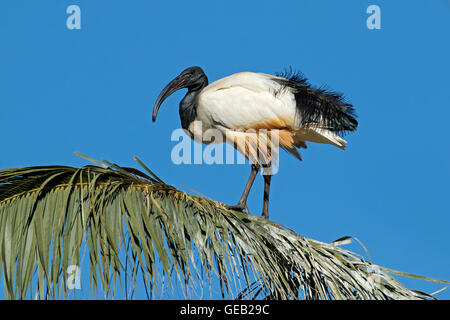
pixel 188 106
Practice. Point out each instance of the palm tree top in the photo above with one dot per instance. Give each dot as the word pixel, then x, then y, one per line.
pixel 138 230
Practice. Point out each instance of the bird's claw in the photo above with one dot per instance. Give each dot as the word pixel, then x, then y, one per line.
pixel 238 207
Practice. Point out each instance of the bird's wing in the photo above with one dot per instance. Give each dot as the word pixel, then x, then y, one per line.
pixel 247 100
pixel 243 104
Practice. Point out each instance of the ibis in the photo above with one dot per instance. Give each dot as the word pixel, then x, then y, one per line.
pixel 242 104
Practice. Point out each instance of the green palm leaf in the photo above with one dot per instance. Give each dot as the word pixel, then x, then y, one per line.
pixel 137 229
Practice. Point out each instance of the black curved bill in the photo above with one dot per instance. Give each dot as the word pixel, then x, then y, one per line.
pixel 174 85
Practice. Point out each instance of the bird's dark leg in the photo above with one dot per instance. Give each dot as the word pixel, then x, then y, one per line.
pixel 265 210
pixel 242 204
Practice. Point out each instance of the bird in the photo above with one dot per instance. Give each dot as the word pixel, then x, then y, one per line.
pixel 243 104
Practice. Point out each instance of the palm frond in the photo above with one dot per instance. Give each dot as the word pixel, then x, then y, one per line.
pixel 132 224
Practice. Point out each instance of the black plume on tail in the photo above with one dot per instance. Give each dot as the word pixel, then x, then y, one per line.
pixel 317 106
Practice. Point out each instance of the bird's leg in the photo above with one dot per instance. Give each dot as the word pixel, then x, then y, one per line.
pixel 242 204
pixel 265 210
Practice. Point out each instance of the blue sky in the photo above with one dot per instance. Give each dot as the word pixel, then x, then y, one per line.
pixel 92 90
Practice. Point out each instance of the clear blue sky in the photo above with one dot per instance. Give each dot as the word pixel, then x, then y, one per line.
pixel 92 90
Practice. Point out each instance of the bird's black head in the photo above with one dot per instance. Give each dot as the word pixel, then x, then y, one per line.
pixel 192 78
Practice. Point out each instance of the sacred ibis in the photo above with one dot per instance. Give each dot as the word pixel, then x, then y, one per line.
pixel 243 104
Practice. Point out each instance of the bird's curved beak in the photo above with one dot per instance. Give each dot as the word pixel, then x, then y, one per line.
pixel 174 85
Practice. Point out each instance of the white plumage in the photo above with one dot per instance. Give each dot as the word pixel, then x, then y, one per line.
pixel 243 99
pixel 251 100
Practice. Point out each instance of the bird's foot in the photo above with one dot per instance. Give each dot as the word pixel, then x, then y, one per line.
pixel 265 214
pixel 239 207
